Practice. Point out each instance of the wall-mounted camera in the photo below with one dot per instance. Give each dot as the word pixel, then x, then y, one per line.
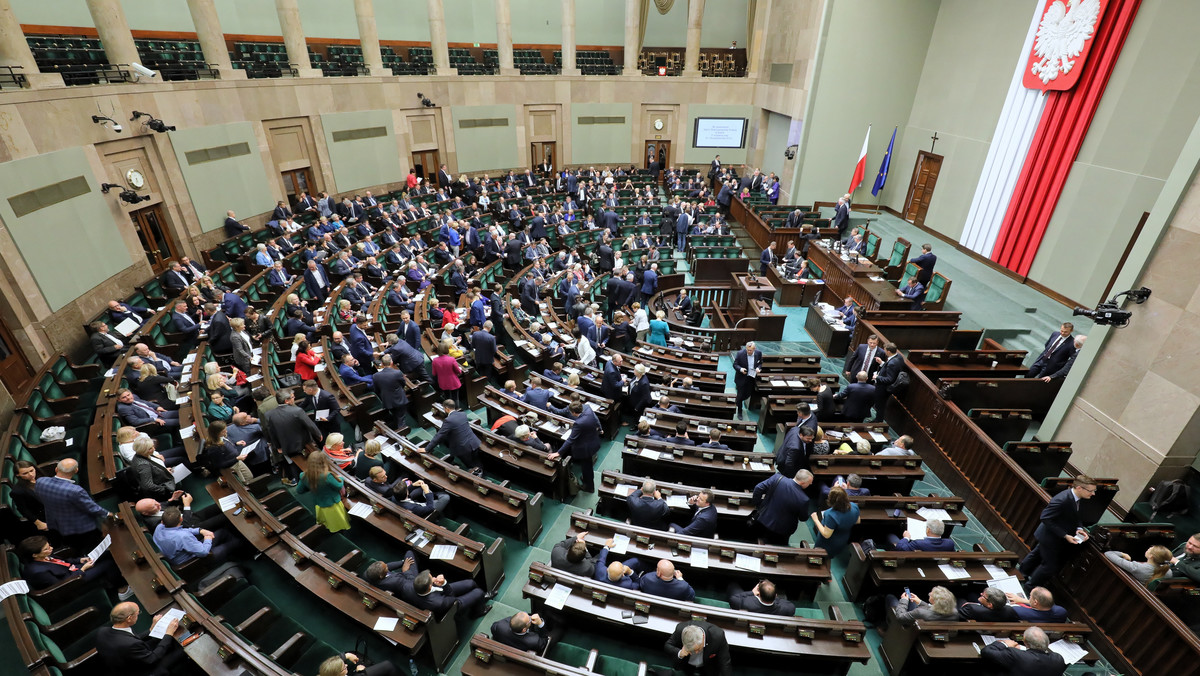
pixel 1109 313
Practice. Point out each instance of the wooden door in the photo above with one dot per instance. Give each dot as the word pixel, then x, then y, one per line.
pixel 657 148
pixel 542 151
pixel 920 188
pixel 15 370
pixel 295 182
pixel 426 164
pixel 151 228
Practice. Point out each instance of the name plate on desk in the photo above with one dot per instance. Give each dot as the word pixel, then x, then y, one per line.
pixel 483 655
pixel 852 636
pixel 891 563
pixel 756 629
pixel 640 607
pixel 806 634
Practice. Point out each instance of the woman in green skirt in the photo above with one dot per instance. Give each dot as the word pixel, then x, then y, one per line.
pixel 331 506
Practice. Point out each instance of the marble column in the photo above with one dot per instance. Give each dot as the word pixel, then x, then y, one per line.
pixel 437 38
pixel 757 49
pixel 293 38
pixel 368 35
pixel 115 37
pixel 633 47
pixel 14 51
pixel 212 40
pixel 691 57
pixel 504 46
pixel 568 38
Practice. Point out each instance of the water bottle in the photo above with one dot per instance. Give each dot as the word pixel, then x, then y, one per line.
pixel 412 667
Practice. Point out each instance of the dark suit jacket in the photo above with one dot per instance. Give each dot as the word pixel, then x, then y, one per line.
pixel 645 510
pixel 703 523
pixel 104 347
pixel 787 506
pixel 1053 362
pixel 534 639
pixel 674 588
pixel 857 400
pixel 981 613
pixel 888 372
pixel 748 601
pixel 584 441
pixel 742 361
pixel 42 574
pixel 1023 662
pixel 410 333
pixel 289 429
pixel 610 386
pixel 389 385
pixel 858 361
pixel 639 394
pixel 233 228
pixel 484 346
pixel 925 261
pixel 1059 519
pixel 131 654
pixel 456 432
pixel 219 335
pixel 716 650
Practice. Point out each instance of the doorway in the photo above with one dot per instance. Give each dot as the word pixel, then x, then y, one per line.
pixel 159 248
pixel 15 370
pixel 542 151
pixel 295 182
pixel 920 188
pixel 426 163
pixel 659 149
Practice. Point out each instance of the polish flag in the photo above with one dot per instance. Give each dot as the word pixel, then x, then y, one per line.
pixel 860 169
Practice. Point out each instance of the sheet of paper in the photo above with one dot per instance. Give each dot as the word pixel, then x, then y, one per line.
pixel 187 432
pixel 702 429
pixel 748 562
pixel 256 360
pixel 558 596
pixel 987 639
pixel 933 513
pixel 625 490
pixel 759 466
pixel 1070 652
pixel 15 587
pixel 855 438
pixel 647 453
pixel 916 529
pixel 878 438
pixel 953 573
pixel 386 623
pixel 677 501
pixel 254 378
pixel 698 558
pixel 249 448
pixel 319 367
pixel 229 502
pixel 99 549
pixel 189 359
pixel 323 414
pixel 594 406
pixel 183 400
pixel 180 472
pixel 361 509
pixel 444 552
pixel 127 327
pixel 1008 585
pixel 620 544
pixel 70 441
pixel 996 572
pixel 159 629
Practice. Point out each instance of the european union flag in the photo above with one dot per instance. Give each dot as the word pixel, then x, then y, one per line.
pixel 881 179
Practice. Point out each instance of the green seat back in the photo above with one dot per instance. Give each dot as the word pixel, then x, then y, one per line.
pixel 909 270
pixel 615 666
pixel 816 270
pixel 873 241
pixel 897 255
pixel 936 286
pixel 570 655
pixel 810 613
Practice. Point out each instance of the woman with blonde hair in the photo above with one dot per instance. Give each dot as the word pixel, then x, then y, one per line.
pixel 327 489
pixel 573 379
pixel 296 340
pixel 338 453
pixel 372 456
pixel 243 350
pixel 151 386
pixel 641 321
pixel 659 329
pixel 344 311
pixel 153 478
pixel 1156 566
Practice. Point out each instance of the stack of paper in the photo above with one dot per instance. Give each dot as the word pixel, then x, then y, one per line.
pixel 229 502
pixel 759 466
pixel 677 501
pixel 444 552
pixel 1070 652
pixel 995 571
pixel 647 453
pixel 752 563
pixel 953 573
pixel 361 510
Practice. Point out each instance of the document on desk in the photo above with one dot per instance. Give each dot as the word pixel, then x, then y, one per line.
pixel 558 596
pixel 189 359
pixel 593 405
pixel 747 562
pixel 933 513
pixel 698 558
pixel 702 429
pixel 183 400
pixel 187 432
pixel 987 639
pixel 953 573
pixel 229 502
pixel 99 549
pixel 647 453
pixel 995 571
pixel 361 510
pixel 159 629
pixel 1008 585
pixel 390 451
pixel 1070 652
pixel 916 529
pixel 625 490
pixel 760 466
pixel 778 383
pixel 444 552
pixel 387 623
pixel 620 544
pixel 878 438
pixel 855 437
pixel 677 501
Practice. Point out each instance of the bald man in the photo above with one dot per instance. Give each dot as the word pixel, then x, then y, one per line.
pixel 131 654
pixel 668 582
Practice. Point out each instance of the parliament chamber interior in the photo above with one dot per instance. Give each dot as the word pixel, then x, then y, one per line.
pixel 508 337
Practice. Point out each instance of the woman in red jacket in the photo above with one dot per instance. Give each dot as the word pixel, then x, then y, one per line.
pixel 306 361
pixel 446 372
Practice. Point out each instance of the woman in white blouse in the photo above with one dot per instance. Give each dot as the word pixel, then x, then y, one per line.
pixel 641 321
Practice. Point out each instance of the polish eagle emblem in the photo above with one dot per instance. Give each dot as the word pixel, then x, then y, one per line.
pixel 1062 37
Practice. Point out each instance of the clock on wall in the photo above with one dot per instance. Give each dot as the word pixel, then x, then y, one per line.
pixel 658 124
pixel 135 178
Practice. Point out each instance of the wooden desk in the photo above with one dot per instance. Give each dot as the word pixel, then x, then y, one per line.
pixel 876 571
pixel 833 341
pixel 951 648
pixel 848 278
pixel 492 658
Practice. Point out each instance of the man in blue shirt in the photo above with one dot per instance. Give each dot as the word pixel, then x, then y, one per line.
pixel 180 545
pixel 347 370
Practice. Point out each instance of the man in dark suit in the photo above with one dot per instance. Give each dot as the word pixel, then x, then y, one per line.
pixel 444 178
pixel 460 440
pixel 841 216
pixel 316 281
pixel 105 344
pixel 704 519
pixel 668 582
pixel 647 507
pixel 131 654
pixel 1059 533
pixel 613 381
pixel 523 632
pixel 1059 348
pixel 767 259
pixel 1035 660
pixel 892 365
pixel 746 364
pixel 699 649
pixel 409 332
pixel 649 283
pixel 232 227
pixel 183 323
pixel 857 399
pixel 483 345
pixel 1066 368
pixel 289 430
pixel 782 504
pixel 932 542
pixel 714 171
pixel 582 444
pixel 761 599
pixel 605 257
pixel 318 400
pixel 992 607
pixel 437 595
pixel 866 357
pixel 175 280
pixel 388 383
pixel 282 212
pixel 393 576
pixel 925 261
